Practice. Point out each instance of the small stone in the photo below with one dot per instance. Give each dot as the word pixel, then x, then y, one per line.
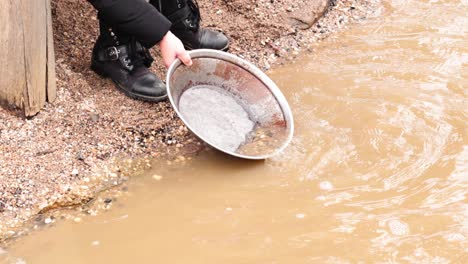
pixel 74 172
pixel 108 201
pixel 94 117
pixel 157 177
pixel 80 155
pixel 77 219
pixel 48 220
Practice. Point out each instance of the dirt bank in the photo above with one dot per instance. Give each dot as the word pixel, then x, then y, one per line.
pixel 83 141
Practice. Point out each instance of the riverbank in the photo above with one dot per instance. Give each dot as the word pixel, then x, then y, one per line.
pixel 93 137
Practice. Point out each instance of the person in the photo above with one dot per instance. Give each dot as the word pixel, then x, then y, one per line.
pixel 128 28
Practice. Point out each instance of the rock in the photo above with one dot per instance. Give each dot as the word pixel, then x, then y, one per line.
pixel 94 117
pixel 80 156
pixel 308 13
pixel 74 172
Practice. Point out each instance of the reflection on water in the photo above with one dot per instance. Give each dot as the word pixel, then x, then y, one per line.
pixel 377 171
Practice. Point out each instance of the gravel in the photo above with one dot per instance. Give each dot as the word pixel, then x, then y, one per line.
pixel 93 137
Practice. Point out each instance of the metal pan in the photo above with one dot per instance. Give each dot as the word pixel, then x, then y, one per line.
pixel 230 104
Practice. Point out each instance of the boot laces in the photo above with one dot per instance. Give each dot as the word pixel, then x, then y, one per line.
pixel 134 61
pixel 194 18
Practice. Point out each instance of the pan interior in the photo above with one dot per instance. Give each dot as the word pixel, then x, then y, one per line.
pixel 228 107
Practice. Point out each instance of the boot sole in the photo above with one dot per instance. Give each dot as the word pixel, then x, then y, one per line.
pixel 120 87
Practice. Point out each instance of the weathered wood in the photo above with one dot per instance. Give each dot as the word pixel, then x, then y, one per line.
pixel 35 51
pixel 51 81
pixel 27 72
pixel 12 64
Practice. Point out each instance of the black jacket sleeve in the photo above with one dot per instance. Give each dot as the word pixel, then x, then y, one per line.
pixel 137 18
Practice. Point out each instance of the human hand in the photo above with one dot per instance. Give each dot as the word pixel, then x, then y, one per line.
pixel 172 48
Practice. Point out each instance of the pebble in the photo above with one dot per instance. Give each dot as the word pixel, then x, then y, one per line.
pixel 80 155
pixel 74 172
pixel 77 219
pixel 94 117
pixel 48 220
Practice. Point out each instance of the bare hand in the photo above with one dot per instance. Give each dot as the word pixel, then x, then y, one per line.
pixel 172 48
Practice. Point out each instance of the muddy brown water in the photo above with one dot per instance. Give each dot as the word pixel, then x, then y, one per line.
pixel 377 171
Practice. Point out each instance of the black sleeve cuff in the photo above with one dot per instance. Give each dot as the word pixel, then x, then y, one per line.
pixel 136 18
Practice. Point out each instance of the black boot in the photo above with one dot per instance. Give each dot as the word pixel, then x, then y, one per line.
pixel 185 18
pixel 126 62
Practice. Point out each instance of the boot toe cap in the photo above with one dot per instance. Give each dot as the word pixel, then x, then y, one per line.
pixel 149 86
pixel 214 40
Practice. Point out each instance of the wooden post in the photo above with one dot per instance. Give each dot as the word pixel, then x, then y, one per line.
pixel 27 64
